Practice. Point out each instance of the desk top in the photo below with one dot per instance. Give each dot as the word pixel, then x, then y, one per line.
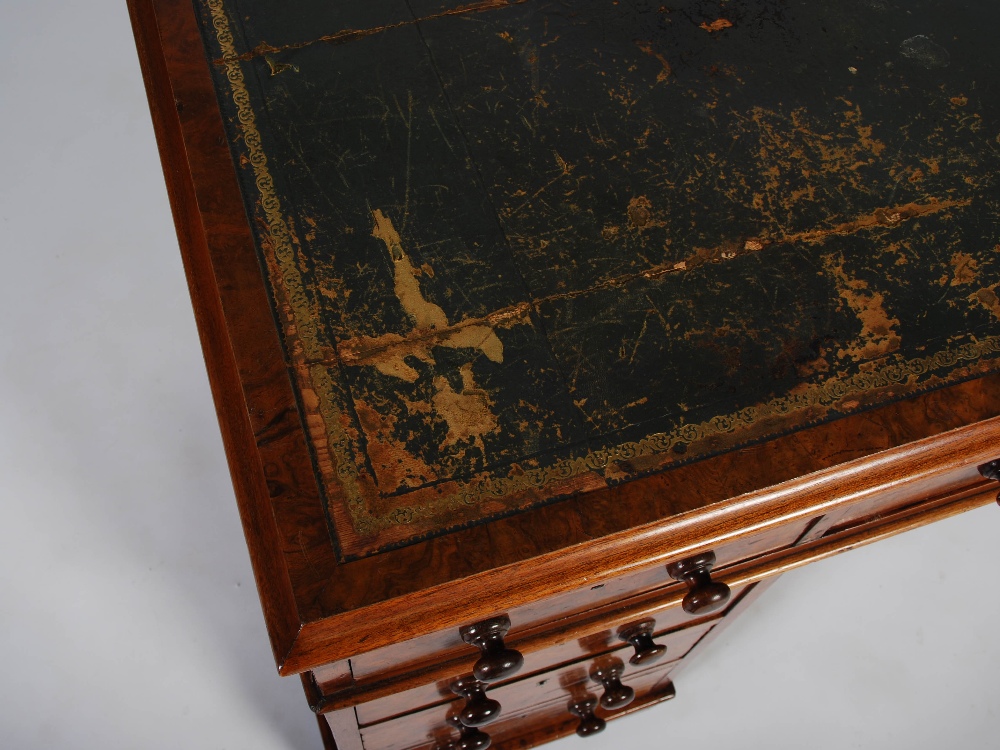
pixel 521 250
pixel 501 296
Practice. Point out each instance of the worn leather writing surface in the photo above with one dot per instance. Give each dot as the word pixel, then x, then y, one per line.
pixel 519 250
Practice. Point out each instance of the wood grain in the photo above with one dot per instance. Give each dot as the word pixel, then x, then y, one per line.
pixel 521 701
pixel 406 732
pixel 924 464
pixel 662 603
pixel 599 643
pixel 444 645
pixel 171 86
pixel 320 610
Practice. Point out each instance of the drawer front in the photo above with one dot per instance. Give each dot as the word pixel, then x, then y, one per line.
pixel 527 704
pixel 889 501
pixel 445 645
pixel 677 642
pixel 332 677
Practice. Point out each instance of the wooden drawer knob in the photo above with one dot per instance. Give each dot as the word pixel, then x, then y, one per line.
pixel 609 674
pixel 469 738
pixel 479 710
pixel 589 724
pixel 497 661
pixel 640 636
pixel 704 595
pixel 991 470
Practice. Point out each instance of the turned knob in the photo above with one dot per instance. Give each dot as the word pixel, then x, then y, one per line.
pixel 469 738
pixel 479 709
pixel 704 595
pixel 991 470
pixel 609 674
pixel 589 724
pixel 497 661
pixel 640 636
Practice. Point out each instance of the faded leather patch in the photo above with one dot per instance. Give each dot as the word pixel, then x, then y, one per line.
pixel 524 250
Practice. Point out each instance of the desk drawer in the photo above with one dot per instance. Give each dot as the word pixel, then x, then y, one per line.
pixel 538 665
pixel 534 707
pixel 420 653
pixel 964 480
pixel 527 705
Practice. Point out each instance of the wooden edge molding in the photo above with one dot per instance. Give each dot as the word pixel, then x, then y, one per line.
pixel 906 520
pixel 299 645
pixel 556 634
pixel 273 583
pixel 758 574
pixel 500 589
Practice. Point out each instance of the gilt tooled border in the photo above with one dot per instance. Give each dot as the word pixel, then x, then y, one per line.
pixel 896 371
pixel 283 245
pixel 825 394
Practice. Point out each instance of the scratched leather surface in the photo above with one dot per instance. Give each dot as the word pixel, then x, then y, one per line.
pixel 521 250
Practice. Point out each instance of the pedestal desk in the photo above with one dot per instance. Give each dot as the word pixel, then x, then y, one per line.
pixel 545 335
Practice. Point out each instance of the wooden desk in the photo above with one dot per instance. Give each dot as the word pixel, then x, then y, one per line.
pixel 568 315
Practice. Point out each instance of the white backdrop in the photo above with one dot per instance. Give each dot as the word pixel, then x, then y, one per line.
pixel 128 615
